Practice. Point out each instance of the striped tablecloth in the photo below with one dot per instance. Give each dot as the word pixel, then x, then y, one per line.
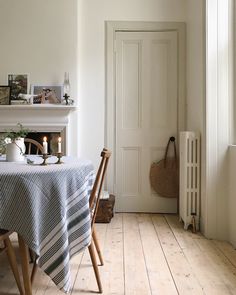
pixel 49 207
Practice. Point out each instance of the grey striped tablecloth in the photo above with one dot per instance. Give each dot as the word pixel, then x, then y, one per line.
pixel 49 207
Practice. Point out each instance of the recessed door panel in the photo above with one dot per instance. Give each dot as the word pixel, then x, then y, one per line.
pixel 131 95
pixel 131 172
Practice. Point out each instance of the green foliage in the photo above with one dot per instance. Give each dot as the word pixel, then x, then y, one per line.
pixel 11 135
pixel 14 134
pixel 2 145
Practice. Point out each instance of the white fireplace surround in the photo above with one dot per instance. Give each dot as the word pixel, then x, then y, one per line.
pixel 40 118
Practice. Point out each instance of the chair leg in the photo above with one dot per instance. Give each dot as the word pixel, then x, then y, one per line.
pixel 95 266
pixel 97 247
pixel 33 259
pixel 31 255
pixel 12 260
pixel 25 265
pixel 34 270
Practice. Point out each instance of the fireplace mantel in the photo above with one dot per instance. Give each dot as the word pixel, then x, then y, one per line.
pixel 38 107
pixel 36 114
pixel 41 118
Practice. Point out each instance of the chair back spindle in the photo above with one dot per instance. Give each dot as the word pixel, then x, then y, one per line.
pixel 31 142
pixel 98 184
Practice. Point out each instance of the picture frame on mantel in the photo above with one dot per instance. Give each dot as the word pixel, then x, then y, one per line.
pixel 5 94
pixel 47 94
pixel 19 84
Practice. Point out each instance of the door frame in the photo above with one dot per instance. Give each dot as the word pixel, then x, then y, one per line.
pixel 111 27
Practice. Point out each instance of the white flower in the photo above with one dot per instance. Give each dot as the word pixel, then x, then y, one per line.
pixel 7 140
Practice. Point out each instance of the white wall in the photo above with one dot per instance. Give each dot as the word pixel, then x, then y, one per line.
pixel 218 104
pixel 232 155
pixel 40 38
pixel 92 17
pixel 232 195
pixel 195 77
pixel 195 64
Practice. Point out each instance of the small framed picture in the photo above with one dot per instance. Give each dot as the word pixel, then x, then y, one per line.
pixel 5 94
pixel 19 84
pixel 47 94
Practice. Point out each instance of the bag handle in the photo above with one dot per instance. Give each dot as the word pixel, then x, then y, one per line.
pixel 171 139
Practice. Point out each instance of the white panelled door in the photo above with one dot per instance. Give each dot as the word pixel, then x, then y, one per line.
pixel 146 115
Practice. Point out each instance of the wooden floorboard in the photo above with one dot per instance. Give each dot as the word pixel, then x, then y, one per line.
pixel 136 277
pixel 160 277
pixel 144 254
pixel 206 270
pixel 183 275
pixel 113 270
pixel 225 270
pixel 227 250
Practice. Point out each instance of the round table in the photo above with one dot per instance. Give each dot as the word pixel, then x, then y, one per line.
pixel 48 206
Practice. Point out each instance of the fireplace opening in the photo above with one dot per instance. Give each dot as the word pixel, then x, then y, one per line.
pixel 52 139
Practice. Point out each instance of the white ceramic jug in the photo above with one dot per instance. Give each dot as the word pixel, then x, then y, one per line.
pixel 15 150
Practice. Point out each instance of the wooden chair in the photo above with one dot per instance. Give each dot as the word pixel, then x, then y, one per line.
pixel 31 142
pixel 93 204
pixel 4 238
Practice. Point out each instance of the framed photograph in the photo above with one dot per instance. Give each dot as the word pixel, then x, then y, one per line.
pixel 5 93
pixel 47 94
pixel 19 84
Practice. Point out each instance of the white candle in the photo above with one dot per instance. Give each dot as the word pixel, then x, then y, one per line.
pixel 45 145
pixel 59 144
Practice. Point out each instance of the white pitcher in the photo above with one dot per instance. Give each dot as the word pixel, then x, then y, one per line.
pixel 15 150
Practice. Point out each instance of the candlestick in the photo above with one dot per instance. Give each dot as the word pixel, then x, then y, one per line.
pixel 45 145
pixel 44 156
pixel 59 156
pixel 59 144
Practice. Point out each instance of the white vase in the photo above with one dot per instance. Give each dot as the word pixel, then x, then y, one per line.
pixel 15 150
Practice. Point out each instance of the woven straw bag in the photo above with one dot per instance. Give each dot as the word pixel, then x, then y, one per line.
pixel 164 175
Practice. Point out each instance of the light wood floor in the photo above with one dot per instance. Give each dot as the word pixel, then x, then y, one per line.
pixel 145 254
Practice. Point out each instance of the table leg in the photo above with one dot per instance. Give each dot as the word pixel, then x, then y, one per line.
pixel 25 266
